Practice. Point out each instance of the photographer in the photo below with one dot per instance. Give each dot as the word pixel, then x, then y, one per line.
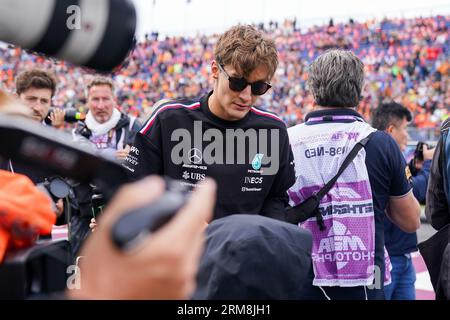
pixel 111 134
pixel 376 175
pixel 393 118
pixel 20 227
pixel 111 131
pixel 35 88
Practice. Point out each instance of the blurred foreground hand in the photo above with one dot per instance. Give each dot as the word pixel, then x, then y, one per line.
pixel 12 106
pixel 164 266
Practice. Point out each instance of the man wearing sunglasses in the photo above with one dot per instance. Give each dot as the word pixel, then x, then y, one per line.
pixel 222 135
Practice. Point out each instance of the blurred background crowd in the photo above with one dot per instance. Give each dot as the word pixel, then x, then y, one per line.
pixel 406 60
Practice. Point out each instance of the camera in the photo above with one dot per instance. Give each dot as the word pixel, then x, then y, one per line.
pixel 97 34
pixel 98 201
pixel 83 130
pixel 57 187
pixel 135 225
pixel 42 269
pixel 71 116
pixel 417 160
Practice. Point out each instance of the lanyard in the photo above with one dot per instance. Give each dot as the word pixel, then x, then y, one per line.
pixel 334 118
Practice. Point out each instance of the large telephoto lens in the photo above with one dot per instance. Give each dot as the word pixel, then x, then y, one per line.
pixel 93 33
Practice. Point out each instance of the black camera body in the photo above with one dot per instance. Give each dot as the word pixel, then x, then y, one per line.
pixel 83 130
pixel 418 157
pixel 40 271
pixel 135 225
pixel 57 187
pixel 418 153
pixel 71 116
pixel 98 201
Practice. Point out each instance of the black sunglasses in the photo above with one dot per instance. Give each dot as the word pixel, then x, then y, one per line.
pixel 239 84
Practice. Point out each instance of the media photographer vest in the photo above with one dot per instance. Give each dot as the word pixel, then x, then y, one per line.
pixel 343 254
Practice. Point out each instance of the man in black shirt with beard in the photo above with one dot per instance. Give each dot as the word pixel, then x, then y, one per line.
pixel 222 135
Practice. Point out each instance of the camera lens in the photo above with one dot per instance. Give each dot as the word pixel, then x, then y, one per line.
pixel 73 115
pixel 59 188
pixel 97 34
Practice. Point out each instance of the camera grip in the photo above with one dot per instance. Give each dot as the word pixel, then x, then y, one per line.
pixel 135 225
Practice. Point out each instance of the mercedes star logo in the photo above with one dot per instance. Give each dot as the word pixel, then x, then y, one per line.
pixel 195 156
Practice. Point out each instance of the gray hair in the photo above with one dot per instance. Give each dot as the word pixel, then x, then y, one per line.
pixel 336 79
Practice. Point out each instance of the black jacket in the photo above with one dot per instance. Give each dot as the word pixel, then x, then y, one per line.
pixel 184 140
pixel 438 198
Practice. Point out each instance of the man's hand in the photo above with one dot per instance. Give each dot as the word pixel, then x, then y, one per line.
pixel 93 225
pixel 164 266
pixel 428 153
pixel 121 154
pixel 57 117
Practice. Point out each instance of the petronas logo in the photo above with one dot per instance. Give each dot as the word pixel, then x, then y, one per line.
pixel 257 161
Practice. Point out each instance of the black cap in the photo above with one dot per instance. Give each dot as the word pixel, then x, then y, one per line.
pixel 254 257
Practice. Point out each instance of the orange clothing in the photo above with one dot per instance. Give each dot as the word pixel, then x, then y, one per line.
pixel 25 212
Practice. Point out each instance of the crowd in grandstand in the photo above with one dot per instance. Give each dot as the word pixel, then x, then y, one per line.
pixel 406 60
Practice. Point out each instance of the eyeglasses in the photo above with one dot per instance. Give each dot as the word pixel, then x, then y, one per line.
pixel 239 84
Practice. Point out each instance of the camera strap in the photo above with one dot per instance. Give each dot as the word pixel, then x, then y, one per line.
pixel 310 207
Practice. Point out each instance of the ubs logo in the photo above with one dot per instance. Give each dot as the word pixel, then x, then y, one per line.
pixel 194 176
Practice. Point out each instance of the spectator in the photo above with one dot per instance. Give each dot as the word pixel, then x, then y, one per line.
pixel 406 60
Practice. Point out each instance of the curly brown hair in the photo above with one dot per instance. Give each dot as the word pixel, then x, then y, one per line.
pixel 245 48
pixel 35 78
